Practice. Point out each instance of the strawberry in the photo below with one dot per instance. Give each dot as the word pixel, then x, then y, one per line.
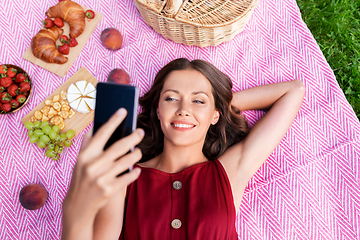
pixel 63 39
pixel 73 42
pixel 89 14
pixel 24 87
pixel 20 98
pixel 64 49
pixel 20 78
pixel 3 69
pixel 48 23
pixel 5 98
pixel 13 90
pixel 6 107
pixel 58 22
pixel 11 72
pixel 14 103
pixel 5 82
pixel 24 93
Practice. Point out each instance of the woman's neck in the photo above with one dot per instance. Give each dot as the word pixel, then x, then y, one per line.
pixel 174 158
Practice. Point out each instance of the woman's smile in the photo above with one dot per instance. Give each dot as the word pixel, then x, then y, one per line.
pixel 182 125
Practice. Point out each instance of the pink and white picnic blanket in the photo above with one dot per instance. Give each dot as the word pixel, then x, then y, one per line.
pixel 309 188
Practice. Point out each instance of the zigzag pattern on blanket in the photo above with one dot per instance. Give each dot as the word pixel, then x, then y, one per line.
pixel 307 189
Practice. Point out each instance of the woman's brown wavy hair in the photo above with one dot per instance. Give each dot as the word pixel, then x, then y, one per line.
pixel 231 127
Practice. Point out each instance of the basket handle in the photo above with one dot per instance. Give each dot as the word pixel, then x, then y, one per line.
pixel 172 7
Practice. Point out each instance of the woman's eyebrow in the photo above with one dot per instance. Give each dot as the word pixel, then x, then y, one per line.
pixel 171 90
pixel 200 92
pixel 193 93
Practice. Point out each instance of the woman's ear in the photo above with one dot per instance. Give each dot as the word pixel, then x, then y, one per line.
pixel 157 113
pixel 216 117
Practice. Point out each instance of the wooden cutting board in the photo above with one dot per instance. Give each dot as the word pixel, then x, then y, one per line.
pixel 79 121
pixel 62 69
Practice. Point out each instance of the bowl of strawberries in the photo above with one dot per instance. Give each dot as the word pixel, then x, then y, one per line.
pixel 15 88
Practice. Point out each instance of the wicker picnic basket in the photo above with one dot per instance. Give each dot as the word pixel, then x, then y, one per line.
pixel 197 22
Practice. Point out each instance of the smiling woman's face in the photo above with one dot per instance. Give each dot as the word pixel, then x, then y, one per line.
pixel 186 108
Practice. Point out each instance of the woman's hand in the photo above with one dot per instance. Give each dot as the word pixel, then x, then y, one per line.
pixel 95 180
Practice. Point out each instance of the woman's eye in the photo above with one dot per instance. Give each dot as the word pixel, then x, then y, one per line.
pixel 170 99
pixel 198 101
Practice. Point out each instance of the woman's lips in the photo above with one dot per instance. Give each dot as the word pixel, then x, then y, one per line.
pixel 182 126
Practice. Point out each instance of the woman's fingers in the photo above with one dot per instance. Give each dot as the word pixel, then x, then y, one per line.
pixel 126 179
pixel 115 151
pixel 123 164
pixel 103 134
pixel 122 146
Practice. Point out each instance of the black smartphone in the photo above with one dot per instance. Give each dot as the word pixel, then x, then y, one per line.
pixel 109 98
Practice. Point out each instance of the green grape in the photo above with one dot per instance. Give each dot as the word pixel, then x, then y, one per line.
pixel 56 128
pixel 51 146
pixel 56 148
pixel 30 133
pixel 38 133
pixel 29 125
pixel 37 124
pixel 60 150
pixel 41 144
pixel 44 123
pixel 50 153
pixel 46 129
pixel 57 138
pixel 53 134
pixel 56 157
pixel 70 134
pixel 33 139
pixel 63 137
pixel 45 138
pixel 68 143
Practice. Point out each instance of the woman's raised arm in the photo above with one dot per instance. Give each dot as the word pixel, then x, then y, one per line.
pixel 283 100
pixel 90 208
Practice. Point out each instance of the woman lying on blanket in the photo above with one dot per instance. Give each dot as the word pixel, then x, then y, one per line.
pixel 197 157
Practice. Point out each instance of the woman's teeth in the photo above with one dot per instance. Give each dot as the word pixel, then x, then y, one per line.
pixel 183 126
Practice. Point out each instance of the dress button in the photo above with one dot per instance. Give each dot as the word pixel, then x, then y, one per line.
pixel 177 185
pixel 176 223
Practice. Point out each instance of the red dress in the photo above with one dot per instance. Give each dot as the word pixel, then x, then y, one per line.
pixel 195 203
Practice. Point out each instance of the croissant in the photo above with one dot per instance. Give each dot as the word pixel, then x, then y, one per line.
pixel 70 12
pixel 43 46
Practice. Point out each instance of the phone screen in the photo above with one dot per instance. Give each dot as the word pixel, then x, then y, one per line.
pixel 109 98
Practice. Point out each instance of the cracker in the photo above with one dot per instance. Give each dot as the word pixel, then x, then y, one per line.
pixel 44 118
pixel 63 95
pixel 57 106
pixel 56 98
pixel 33 119
pixel 52 112
pixel 48 102
pixel 38 115
pixel 71 113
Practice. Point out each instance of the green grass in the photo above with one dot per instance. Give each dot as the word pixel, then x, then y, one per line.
pixel 335 25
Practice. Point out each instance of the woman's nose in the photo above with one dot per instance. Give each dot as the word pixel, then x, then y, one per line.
pixel 183 110
pixel 182 113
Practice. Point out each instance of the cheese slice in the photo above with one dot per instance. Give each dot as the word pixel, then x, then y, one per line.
pixel 83 108
pixel 92 94
pixel 90 102
pixel 81 85
pixel 89 88
pixel 73 96
pixel 73 89
pixel 75 104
